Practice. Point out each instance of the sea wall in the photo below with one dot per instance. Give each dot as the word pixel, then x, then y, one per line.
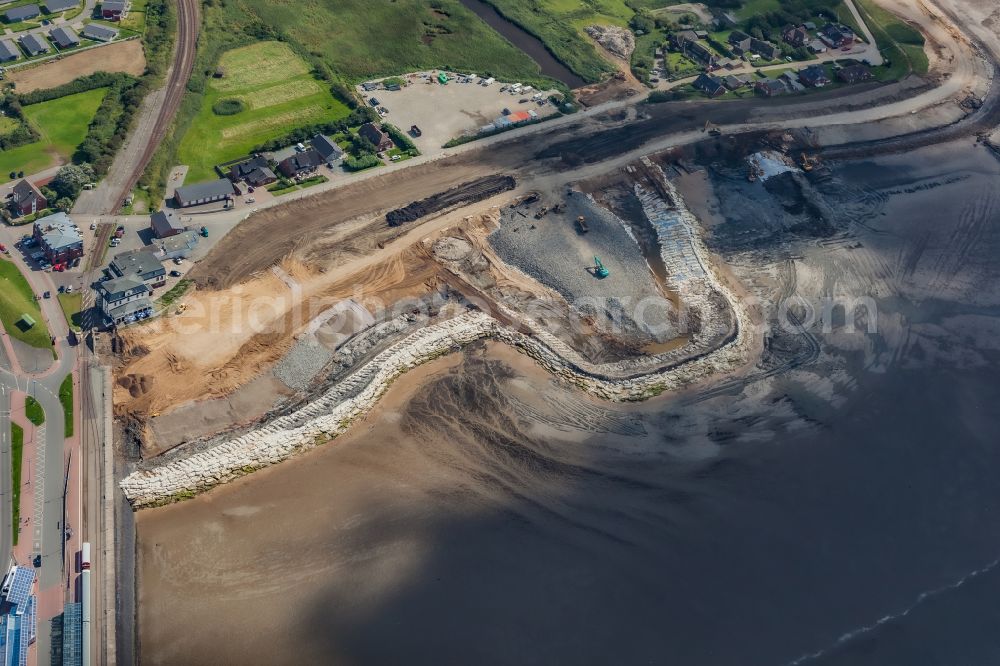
pixel 331 414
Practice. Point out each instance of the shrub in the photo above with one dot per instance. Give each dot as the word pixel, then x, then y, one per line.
pixel 229 107
pixel 352 163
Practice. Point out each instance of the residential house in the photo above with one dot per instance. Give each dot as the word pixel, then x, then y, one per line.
pixel 125 300
pixel 255 171
pixel 679 39
pixel 8 51
pixel 58 238
pixel 141 265
pixel 99 33
pixel 64 37
pixel 378 138
pixel 300 163
pixel 26 199
pixel 202 193
pixel 854 74
pixel 770 87
pixel 113 10
pixel 809 25
pixel 702 55
pixel 836 35
pixel 740 41
pixel 327 149
pixel 764 49
pixel 165 223
pixel 710 85
pixel 34 44
pixel 53 6
pixel 791 81
pixel 814 76
pixel 795 35
pixel 22 13
pixel 733 82
pixel 817 46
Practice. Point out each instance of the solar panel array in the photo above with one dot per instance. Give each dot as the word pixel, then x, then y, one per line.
pixel 29 621
pixel 20 587
pixel 72 647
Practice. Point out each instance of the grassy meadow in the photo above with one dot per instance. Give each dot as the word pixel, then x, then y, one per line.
pixel 62 124
pixel 277 93
pixel 16 298
pixel 361 39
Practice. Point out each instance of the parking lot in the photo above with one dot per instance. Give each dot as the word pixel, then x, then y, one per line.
pixel 443 112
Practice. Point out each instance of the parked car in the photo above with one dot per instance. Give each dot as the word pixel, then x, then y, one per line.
pixel 175 273
pixel 69 289
pixel 93 225
pixel 178 260
pixel 47 294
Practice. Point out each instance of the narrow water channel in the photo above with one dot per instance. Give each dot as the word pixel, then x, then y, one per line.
pixel 525 41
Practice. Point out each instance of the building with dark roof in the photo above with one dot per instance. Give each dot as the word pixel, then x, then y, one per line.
pixel 302 162
pixel 8 51
pixel 98 32
pixel 113 10
pixel 836 35
pixel 255 171
pixel 165 223
pixel 26 198
pixel 764 49
pixel 139 264
pixel 125 300
pixel 854 74
pixel 327 149
pixel 814 76
pixel 795 35
pixel 64 37
pixel 53 6
pixel 378 138
pixel 771 87
pixel 733 82
pixel 34 44
pixel 59 238
pixel 710 85
pixel 22 13
pixel 202 193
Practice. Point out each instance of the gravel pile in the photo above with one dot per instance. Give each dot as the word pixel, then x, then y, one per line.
pixel 557 255
pixel 303 363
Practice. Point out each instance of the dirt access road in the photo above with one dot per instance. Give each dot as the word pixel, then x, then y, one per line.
pixel 158 111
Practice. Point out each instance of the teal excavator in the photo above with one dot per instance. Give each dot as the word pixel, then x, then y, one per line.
pixel 599 269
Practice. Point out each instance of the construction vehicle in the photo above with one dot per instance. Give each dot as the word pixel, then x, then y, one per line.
pixel 581 222
pixel 541 212
pixel 599 270
pixel 808 163
pixel 204 232
pixel 442 78
pixel 712 128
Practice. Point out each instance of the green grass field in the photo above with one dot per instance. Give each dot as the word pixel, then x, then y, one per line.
pixel 16 455
pixel 280 94
pixel 71 304
pixel 62 124
pixel 66 398
pixel 901 44
pixel 33 411
pixel 362 39
pixel 16 298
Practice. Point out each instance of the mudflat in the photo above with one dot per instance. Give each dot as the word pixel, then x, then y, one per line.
pixel 483 514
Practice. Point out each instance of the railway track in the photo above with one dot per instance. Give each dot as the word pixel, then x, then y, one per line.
pixel 148 133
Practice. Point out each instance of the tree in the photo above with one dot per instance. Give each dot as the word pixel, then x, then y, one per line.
pixel 71 178
pixel 64 204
